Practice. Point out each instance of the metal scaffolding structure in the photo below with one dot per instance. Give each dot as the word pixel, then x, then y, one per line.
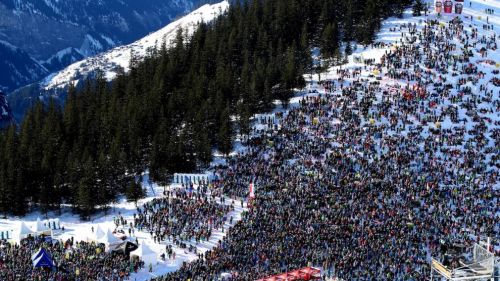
pixel 481 267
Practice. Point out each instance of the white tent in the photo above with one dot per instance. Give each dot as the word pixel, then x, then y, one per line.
pixel 145 253
pixel 96 235
pixel 109 240
pixel 40 228
pixel 99 233
pixel 22 232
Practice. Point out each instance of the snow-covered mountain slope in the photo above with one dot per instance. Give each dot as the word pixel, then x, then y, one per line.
pixel 45 28
pixel 17 67
pixel 119 58
pixel 63 58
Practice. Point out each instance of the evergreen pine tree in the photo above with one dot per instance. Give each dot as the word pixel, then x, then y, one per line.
pixel 5 193
pixel 86 200
pixel 418 8
pixel 225 132
pixel 370 22
pixel 348 49
pixel 134 191
pixel 330 41
pixel 244 119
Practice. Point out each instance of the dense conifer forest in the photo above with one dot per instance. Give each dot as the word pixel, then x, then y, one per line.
pixel 172 109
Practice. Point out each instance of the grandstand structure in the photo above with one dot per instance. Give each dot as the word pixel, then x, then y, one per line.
pixel 480 267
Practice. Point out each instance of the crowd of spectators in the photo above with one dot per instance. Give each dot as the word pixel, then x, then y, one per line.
pixel 376 174
pixel 76 261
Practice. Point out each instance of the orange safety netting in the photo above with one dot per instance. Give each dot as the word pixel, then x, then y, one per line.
pixel 306 273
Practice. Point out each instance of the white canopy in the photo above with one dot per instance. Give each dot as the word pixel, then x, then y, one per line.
pixel 109 240
pixel 99 233
pixel 40 227
pixel 21 232
pixel 145 253
pixel 96 235
pixel 24 229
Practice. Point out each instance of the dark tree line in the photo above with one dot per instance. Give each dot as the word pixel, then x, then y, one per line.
pixel 171 109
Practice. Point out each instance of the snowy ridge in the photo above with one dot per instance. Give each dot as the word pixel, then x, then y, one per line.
pixel 18 67
pixel 119 58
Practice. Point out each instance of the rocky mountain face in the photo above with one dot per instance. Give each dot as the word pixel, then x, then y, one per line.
pixel 38 37
pixel 17 68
